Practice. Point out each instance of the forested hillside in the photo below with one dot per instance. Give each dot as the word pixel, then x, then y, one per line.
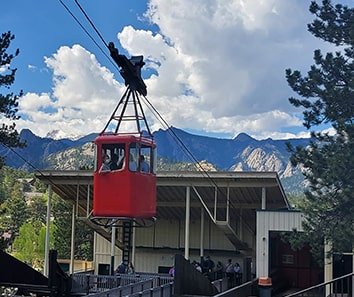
pixel 23 208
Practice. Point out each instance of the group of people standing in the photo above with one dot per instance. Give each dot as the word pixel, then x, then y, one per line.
pixel 125 269
pixel 230 270
pixel 233 273
pixel 206 266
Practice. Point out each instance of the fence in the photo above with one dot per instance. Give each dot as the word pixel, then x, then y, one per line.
pixel 338 287
pixel 143 284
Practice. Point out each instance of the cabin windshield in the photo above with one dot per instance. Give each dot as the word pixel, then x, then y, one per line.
pixel 147 159
pixel 141 158
pixel 133 156
pixel 111 156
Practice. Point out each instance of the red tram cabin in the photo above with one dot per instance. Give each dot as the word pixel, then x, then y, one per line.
pixel 124 177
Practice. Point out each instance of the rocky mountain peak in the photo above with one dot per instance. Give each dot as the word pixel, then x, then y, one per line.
pixel 242 153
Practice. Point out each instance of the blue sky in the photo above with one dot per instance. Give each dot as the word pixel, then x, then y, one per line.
pixel 213 67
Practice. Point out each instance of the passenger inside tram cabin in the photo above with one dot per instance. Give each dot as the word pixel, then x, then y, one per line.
pixel 105 167
pixel 114 162
pixel 144 166
pixel 132 163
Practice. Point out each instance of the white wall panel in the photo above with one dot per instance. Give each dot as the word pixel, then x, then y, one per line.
pixel 272 221
pixel 102 252
pixel 153 244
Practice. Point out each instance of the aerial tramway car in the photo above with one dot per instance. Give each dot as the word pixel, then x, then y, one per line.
pixel 124 174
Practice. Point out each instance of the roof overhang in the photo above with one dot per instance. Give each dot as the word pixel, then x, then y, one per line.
pixel 220 193
pixel 245 188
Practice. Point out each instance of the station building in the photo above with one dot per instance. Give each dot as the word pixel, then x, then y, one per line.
pixel 223 215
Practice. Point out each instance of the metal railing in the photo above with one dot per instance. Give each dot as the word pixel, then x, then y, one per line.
pixel 338 287
pixel 143 284
pixel 243 290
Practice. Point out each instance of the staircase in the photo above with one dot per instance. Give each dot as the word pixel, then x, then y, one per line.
pixel 127 231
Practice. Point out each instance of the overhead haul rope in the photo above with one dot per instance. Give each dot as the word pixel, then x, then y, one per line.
pixel 92 24
pixel 187 151
pixel 28 162
pixel 179 140
pixel 157 114
pixel 148 103
pixel 87 33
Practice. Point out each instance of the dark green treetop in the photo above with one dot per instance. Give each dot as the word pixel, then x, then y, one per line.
pixel 327 97
pixel 8 102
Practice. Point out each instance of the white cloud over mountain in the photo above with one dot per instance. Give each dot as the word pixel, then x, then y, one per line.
pixel 213 65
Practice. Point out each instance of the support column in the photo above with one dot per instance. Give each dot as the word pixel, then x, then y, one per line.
pixel 187 223
pixel 264 198
pixel 133 243
pixel 328 267
pixel 240 229
pixel 72 249
pixel 113 248
pixel 228 205
pixel 352 269
pixel 202 233
pixel 47 232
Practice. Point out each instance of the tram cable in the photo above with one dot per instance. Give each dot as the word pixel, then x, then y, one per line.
pixel 149 104
pixel 19 155
pixel 92 24
pixel 27 162
pixel 186 150
pixel 178 140
pixel 154 111
pixel 158 116
pixel 88 33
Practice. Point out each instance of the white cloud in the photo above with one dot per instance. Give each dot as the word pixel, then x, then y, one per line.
pixel 4 68
pixel 32 67
pixel 84 95
pixel 231 56
pixel 218 66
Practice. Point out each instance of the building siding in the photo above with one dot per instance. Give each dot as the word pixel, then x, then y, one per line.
pixel 157 245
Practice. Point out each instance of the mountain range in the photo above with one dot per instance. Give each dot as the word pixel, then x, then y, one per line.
pixel 177 150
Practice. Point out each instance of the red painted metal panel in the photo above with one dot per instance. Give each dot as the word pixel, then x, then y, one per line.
pixel 123 193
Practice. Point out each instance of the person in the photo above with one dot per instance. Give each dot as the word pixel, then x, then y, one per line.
pixel 219 270
pixel 130 269
pixel 208 265
pixel 132 163
pixel 121 163
pixel 114 160
pixel 144 166
pixel 238 274
pixel 229 270
pixel 197 266
pixel 237 268
pixel 105 164
pixel 171 272
pixel 122 268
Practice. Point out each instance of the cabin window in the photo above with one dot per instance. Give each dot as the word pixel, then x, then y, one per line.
pixel 114 155
pixel 147 159
pixel 133 156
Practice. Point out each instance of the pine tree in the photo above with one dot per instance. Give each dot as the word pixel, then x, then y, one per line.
pixel 327 97
pixel 16 210
pixel 62 213
pixel 8 102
